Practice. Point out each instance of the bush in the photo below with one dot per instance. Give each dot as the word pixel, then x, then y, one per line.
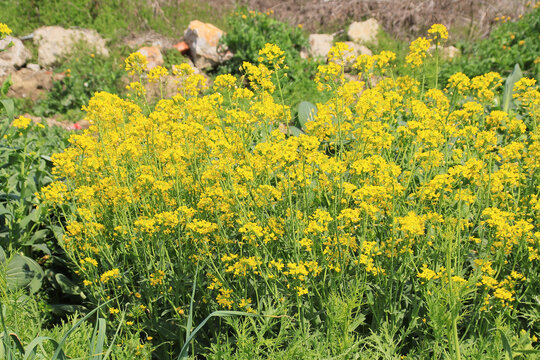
pixel 422 203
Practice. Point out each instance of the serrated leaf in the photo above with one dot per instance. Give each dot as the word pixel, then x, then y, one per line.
pixel 511 80
pixel 306 112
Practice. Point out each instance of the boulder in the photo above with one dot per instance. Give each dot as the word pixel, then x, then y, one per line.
pixel 320 44
pixel 358 49
pixel 153 55
pixel 447 52
pixel 14 57
pixel 30 84
pixel 364 31
pixel 203 41
pixel 54 41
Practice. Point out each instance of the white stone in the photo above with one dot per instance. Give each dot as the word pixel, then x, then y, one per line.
pixel 54 42
pixel 13 57
pixel 33 67
pixel 364 31
pixel 320 44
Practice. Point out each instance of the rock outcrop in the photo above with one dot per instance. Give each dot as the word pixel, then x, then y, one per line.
pixel 54 41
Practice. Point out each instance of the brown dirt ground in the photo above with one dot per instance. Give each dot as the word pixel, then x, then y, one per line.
pixel 403 19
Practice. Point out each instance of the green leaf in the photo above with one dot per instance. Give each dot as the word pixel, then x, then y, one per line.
pixel 30 350
pixel 42 247
pixel 2 255
pixel 5 86
pixel 295 131
pixel 67 286
pixel 22 272
pixel 221 313
pixel 514 77
pixel 10 108
pixel 58 354
pixel 306 112
pixel 506 345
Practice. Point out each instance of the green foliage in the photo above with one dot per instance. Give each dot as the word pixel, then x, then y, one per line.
pixel 248 32
pixel 24 335
pixel 508 44
pixel 173 57
pixel 85 73
pixel 111 18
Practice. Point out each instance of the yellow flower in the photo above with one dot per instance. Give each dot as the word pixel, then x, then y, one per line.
pixel 21 122
pixel 136 63
pixel 418 51
pixel 157 73
pixel 114 311
pixel 4 30
pixel 110 274
pixel 438 31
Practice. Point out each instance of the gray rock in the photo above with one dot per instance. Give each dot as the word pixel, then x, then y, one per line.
pixel 14 57
pixel 54 41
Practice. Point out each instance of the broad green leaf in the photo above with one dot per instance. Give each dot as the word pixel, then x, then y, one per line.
pixel 295 131
pixel 10 108
pixel 42 247
pixel 2 255
pixel 23 271
pixel 516 75
pixel 306 112
pixel 67 286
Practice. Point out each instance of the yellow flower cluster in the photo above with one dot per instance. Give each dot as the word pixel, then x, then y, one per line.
pixel 4 30
pixel 21 122
pixel 384 177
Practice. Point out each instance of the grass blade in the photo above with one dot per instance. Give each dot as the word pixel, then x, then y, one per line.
pixel 70 331
pixel 219 313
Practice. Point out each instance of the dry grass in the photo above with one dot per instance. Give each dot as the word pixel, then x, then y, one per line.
pixel 402 18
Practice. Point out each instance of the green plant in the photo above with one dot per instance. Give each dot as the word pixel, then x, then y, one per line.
pixel 85 73
pixel 510 43
pixel 249 31
pixel 24 335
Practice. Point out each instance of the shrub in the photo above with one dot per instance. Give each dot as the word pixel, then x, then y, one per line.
pixel 423 203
